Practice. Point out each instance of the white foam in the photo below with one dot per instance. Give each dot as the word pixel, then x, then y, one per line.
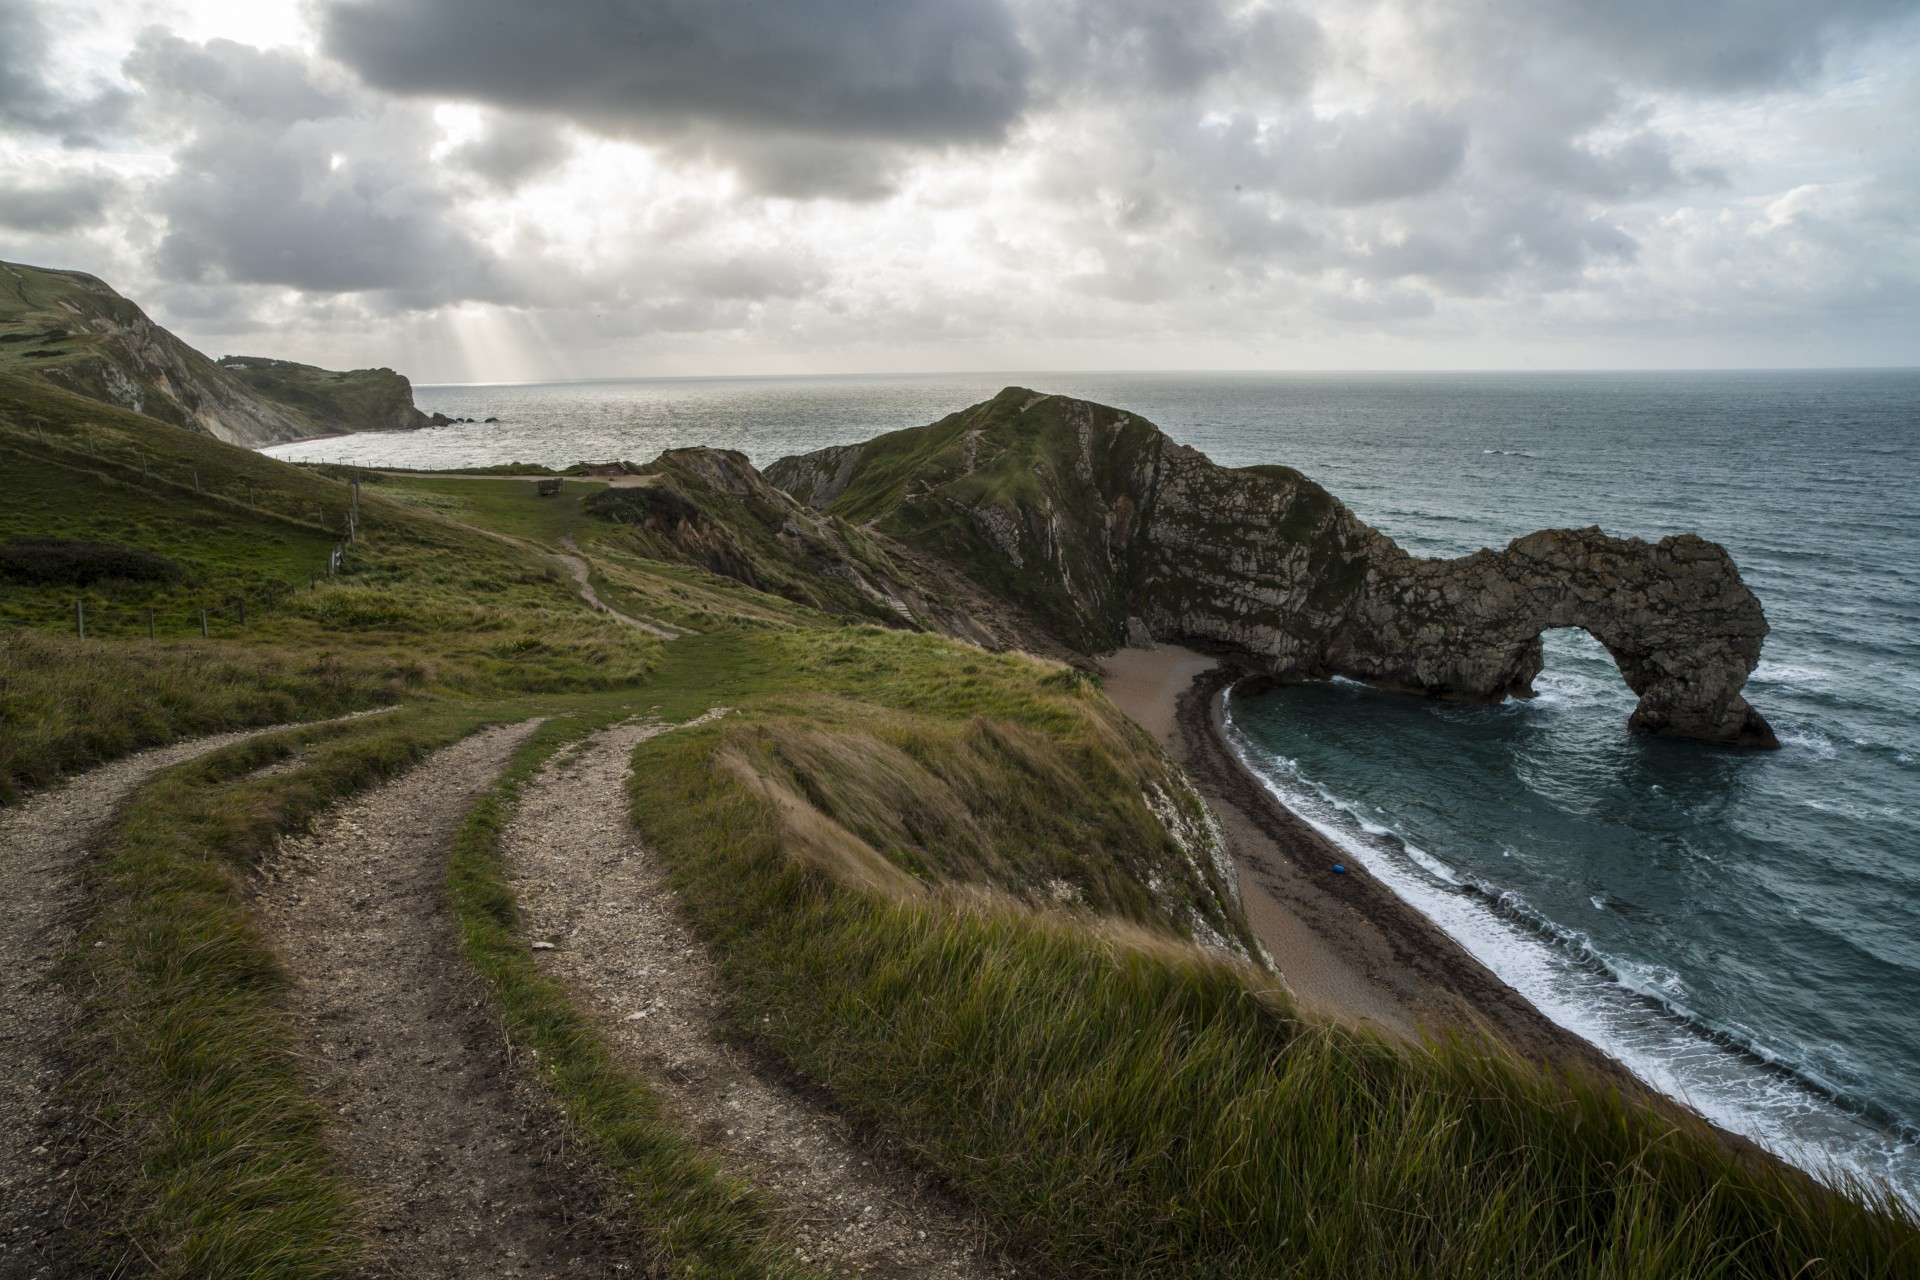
pixel 1770 672
pixel 1654 1037
pixel 1809 740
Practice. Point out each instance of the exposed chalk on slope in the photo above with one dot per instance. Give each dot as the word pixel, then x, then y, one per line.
pixel 42 841
pixel 460 1157
pixel 587 885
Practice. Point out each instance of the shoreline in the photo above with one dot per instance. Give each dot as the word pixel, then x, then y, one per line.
pixel 1348 947
pixel 1352 950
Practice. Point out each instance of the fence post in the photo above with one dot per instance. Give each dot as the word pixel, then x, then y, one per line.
pixel 80 617
pixel 203 624
pixel 196 479
pixel 143 466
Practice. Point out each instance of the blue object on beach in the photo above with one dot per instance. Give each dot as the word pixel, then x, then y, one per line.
pixel 1339 870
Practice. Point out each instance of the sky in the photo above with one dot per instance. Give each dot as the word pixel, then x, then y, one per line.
pixel 496 191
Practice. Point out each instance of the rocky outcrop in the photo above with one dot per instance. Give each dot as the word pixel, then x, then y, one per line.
pixel 1093 520
pixel 709 507
pixel 353 400
pixel 72 330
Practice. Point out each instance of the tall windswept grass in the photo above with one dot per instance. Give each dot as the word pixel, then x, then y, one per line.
pixel 206 1155
pixel 1128 1110
pixel 66 704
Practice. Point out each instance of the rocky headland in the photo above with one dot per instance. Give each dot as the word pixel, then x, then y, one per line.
pixel 1103 530
pixel 74 331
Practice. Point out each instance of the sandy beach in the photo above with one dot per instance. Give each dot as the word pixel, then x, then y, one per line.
pixel 1348 948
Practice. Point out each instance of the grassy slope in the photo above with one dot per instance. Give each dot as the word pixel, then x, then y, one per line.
pixel 426 606
pixel 351 400
pixel 1005 998
pixel 1121 1105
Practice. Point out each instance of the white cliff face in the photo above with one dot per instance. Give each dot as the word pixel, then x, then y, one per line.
pixel 1087 516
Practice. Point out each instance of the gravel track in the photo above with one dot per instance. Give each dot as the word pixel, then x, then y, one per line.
pixel 464 1164
pixel 43 840
pixel 588 887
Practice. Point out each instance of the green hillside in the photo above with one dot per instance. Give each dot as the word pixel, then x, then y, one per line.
pixel 976 912
pixel 72 331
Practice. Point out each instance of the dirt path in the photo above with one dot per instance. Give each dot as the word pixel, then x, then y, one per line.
pixel 588 886
pixel 42 841
pixel 578 567
pixel 461 1160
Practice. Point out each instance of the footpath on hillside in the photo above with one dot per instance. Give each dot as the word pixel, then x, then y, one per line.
pixel 604 922
pixel 464 1165
pixel 43 841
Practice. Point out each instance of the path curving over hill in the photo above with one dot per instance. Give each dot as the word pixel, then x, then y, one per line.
pixel 591 890
pixel 462 1162
pixel 42 842
pixel 582 574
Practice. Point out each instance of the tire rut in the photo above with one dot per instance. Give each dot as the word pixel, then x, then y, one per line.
pixel 589 887
pixel 43 840
pixel 462 1161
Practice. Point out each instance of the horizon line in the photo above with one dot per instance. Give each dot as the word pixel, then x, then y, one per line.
pixel 1148 373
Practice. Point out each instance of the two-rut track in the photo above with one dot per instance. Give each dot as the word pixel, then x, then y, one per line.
pixel 464 1164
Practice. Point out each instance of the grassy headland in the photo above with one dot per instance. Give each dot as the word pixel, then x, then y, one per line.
pixel 958 891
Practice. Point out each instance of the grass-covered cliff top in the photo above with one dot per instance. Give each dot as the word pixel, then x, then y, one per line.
pixel 349 400
pixel 972 906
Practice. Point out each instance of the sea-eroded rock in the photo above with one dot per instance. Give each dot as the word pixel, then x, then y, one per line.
pixel 1088 517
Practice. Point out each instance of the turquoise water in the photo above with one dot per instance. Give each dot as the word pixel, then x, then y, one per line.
pixel 1742 928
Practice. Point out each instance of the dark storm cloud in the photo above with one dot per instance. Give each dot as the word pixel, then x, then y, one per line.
pixel 1355 158
pixel 29 101
pixel 283 179
pixel 920 71
pixel 67 202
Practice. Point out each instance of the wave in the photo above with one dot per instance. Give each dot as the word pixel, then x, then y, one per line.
pixel 1635 1012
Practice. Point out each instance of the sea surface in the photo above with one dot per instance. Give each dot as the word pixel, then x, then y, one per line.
pixel 1742 928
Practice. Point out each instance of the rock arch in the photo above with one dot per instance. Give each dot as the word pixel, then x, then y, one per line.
pixel 1681 626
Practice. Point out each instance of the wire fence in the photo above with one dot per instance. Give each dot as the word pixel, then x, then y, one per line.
pixel 210 615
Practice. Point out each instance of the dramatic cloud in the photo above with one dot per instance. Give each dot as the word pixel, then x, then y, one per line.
pixel 907 70
pixel 512 149
pixel 284 179
pixel 491 189
pixel 48 204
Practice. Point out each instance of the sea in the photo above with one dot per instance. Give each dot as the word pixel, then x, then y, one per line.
pixel 1741 928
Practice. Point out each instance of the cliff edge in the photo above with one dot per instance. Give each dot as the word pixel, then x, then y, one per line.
pixel 72 330
pixel 1104 529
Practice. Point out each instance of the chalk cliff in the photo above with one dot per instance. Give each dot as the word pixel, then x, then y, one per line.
pixel 1101 527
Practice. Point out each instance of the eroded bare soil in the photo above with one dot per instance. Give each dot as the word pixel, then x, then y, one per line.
pixel 605 923
pixel 463 1163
